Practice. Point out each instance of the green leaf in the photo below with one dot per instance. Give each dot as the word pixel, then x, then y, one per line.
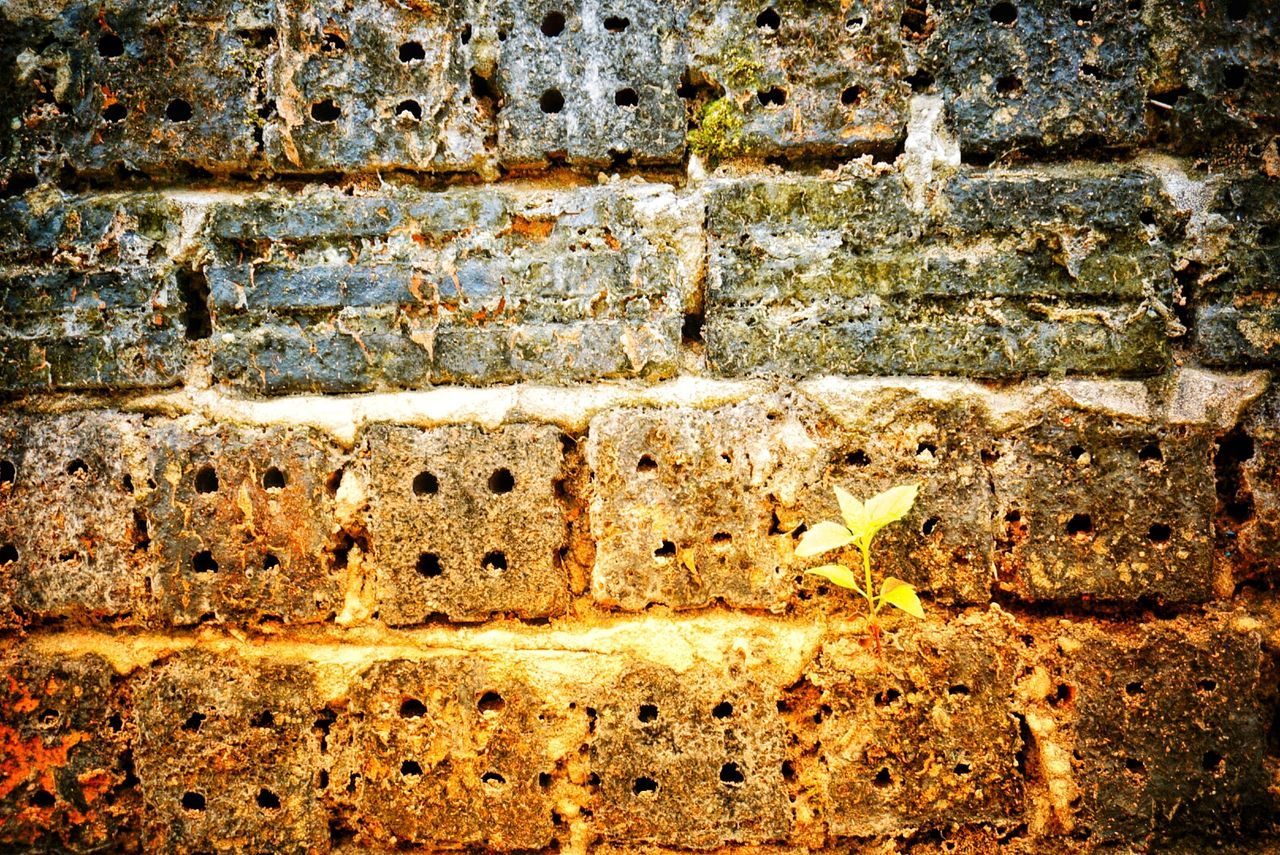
pixel 837 573
pixel 898 593
pixel 823 537
pixel 890 506
pixel 853 511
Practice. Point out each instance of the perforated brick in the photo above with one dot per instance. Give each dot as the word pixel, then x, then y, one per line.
pixel 240 521
pixel 228 755
pixel 67 783
pixel 588 82
pixel 1114 509
pixel 921 735
pixel 467 523
pixel 691 760
pixel 451 751
pixel 1248 470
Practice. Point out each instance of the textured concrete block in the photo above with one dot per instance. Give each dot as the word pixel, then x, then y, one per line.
pixel 777 94
pixel 240 519
pixel 67 781
pixel 1041 75
pixel 1248 470
pixel 73 536
pixel 228 755
pixel 451 751
pixel 1112 509
pixel 809 274
pixel 922 735
pixel 689 760
pixel 377 87
pixel 585 82
pixel 467 523
pixel 1168 735
pixel 332 293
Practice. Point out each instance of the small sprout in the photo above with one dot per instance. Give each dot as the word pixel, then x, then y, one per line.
pixel 861 524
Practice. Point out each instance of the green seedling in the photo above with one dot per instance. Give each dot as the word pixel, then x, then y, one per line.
pixel 861 524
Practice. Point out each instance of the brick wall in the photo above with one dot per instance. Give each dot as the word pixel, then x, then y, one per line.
pixel 411 411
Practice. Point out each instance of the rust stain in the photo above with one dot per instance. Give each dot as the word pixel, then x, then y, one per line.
pixel 534 228
pixel 24 759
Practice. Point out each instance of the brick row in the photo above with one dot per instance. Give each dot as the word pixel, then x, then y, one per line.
pixel 309 88
pixel 953 724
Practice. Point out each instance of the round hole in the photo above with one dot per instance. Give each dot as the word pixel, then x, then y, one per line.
pixel 491 702
pixel 962 769
pixel 410 767
pixel 333 43
pixel 8 473
pixel 1208 685
pixel 724 709
pixel 1009 84
pixel 615 24
pixel 263 719
pixel 647 713
pixel 1151 452
pixel 493 779
pixel 1082 15
pixel 851 96
pixel 207 479
pixel 1212 761
pixel 1134 765
pixel 43 799
pixel 857 458
pixel 1004 13
pixel 425 484
pixel 270 562
pixel 411 52
pixel 178 110
pixel 412 708
pixel 495 562
pixel 666 550
pixel 769 19
pixel 502 481
pixel 110 46
pixel 1237 10
pixel 193 722
pixel 551 101
pixel 1234 76
pixel 409 110
pixel 273 479
pixel 1135 688
pixel 1078 454
pixel 77 467
pixel 644 785
pixel 930 525
pixel 325 111
pixel 882 779
pixel 1159 533
pixel 8 554
pixel 854 23
pixel 646 464
pixel 731 774
pixel 429 565
pixel 626 97
pixel 1080 525
pixel 115 112
pixel 203 562
pixel 772 97
pixel 193 801
pixel 552 24
pixel 268 800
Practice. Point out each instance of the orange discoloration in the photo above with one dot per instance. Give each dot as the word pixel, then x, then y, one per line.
pixel 536 228
pixel 27 759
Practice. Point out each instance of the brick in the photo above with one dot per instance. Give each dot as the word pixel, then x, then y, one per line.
pixel 1248 469
pixel 780 96
pixel 71 518
pixel 467 523
pixel 228 750
pixel 1040 75
pixel 241 522
pixel 378 87
pixel 921 735
pixel 68 781
pixel 842 275
pixel 1106 508
pixel 451 751
pixel 1168 737
pixel 692 760
pixel 585 83
pixel 464 286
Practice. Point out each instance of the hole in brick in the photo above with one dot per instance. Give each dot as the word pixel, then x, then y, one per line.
pixel 412 708
pixel 648 712
pixel 1234 76
pixel 325 111
pixel 1133 765
pixel 409 110
pixel 429 565
pixel 425 484
pixel 115 722
pixel 626 97
pixel 334 481
pixel 1082 15
pixel 48 718
pixel 491 702
pixel 110 46
pixel 263 719
pixel 769 19
pixel 958 689
pixel 410 767
pixel 193 722
pixel 1147 217
pixel 273 479
pixel 851 96
pixel 333 43
pixel 8 554
pixel 495 562
pixel 1080 525
pixel 921 81
pixel 644 785
pixel 1089 70
pixel 544 780
pixel 178 110
pixel 412 52
pixel 502 481
pixel 270 562
pixel 207 479
pixel 1237 10
pixel 930 526
pixel 1159 533
pixel 731 774
pixel 857 458
pixel 882 779
pixel 666 550
pixel 888 696
pixel 268 800
pixel 1004 13
pixel 493 779
pixel 854 23
pixel 1212 761
pixel 193 289
pixel 193 801
pixel 553 24
pixel 115 112
pixel 1151 452
pixel 615 24
pixel 646 464
pixel 551 101
pixel 1008 84
pixel 1064 694
pixel 1208 685
pixel 691 329
pixel 724 709
pixel 202 562
pixel 9 473
pixel 772 97
pixel 43 799
pixel 77 467
pixel 962 769
pixel 1135 688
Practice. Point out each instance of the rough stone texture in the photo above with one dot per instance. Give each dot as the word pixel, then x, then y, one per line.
pixel 922 736
pixel 67 780
pixel 778 94
pixel 1028 272
pixel 228 756
pixel 1249 492
pixel 469 286
pixel 467 523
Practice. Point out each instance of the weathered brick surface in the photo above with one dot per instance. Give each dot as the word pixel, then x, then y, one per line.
pixel 1249 491
pixel 1012 273
pixel 468 523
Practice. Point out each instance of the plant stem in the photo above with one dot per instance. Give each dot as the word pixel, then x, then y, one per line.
pixel 866 570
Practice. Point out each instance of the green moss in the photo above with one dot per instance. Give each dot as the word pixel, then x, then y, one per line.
pixel 719 131
pixel 741 69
